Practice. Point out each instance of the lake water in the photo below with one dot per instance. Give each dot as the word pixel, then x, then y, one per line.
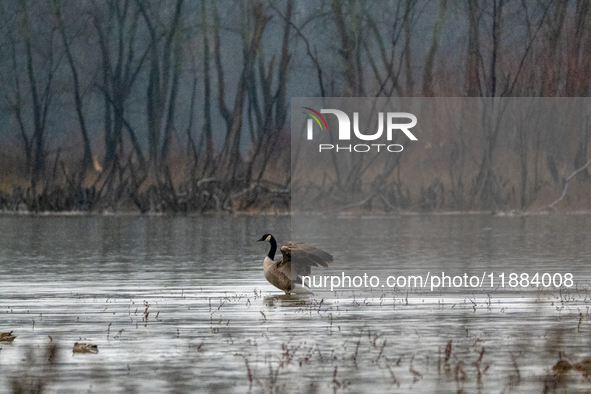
pixel 180 304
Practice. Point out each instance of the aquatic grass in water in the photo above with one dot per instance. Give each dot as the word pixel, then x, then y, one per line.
pixel 166 318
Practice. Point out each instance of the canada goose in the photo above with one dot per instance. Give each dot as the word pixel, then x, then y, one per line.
pixel 7 336
pixel 85 348
pixel 285 275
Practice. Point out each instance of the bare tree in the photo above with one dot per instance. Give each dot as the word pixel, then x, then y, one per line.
pixel 257 20
pixel 87 157
pixel 163 79
pixel 430 60
pixel 578 60
pixel 207 132
pixel 473 57
pixel 116 24
pixel 348 41
pixel 15 97
pixel 409 15
pixel 271 114
pixel 36 76
pixel 549 61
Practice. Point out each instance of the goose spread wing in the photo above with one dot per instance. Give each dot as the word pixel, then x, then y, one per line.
pixel 301 257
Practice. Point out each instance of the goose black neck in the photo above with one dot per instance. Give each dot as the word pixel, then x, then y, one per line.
pixel 273 248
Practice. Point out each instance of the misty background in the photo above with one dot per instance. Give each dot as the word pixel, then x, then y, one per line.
pixel 174 106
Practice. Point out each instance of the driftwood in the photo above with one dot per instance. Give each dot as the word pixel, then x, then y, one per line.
pixel 566 183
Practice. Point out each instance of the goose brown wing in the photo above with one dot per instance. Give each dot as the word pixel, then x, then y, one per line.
pixel 301 257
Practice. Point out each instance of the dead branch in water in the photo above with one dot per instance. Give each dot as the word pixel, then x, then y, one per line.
pixel 566 183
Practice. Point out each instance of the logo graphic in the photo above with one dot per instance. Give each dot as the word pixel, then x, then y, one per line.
pixel 344 132
pixel 316 119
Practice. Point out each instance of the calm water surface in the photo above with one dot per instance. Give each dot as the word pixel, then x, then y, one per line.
pixel 180 304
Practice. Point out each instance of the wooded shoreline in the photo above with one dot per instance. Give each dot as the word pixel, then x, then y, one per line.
pixel 176 106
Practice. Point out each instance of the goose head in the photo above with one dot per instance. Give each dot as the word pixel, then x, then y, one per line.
pixel 270 239
pixel 266 237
